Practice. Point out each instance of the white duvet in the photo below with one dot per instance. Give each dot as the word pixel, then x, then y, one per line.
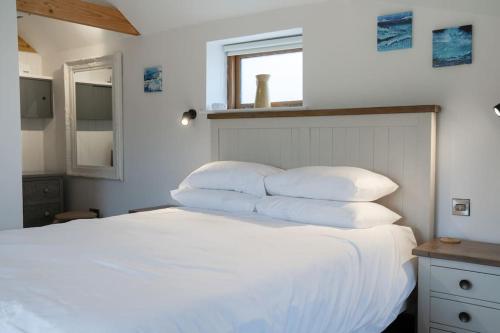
pixel 180 270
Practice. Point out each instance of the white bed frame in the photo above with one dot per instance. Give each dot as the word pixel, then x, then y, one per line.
pixel 401 146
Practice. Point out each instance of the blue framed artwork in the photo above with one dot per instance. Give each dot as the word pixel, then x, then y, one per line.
pixel 395 31
pixel 153 79
pixel 452 46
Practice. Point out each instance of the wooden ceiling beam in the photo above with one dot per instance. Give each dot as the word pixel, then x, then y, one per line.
pixel 24 46
pixel 81 12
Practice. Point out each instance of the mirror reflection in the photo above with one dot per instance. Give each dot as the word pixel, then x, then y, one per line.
pixel 94 117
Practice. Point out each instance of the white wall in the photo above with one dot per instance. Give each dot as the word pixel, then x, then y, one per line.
pixel 10 124
pixel 33 149
pixel 30 63
pixel 341 68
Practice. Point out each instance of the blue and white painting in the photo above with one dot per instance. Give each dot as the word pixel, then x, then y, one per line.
pixel 153 80
pixel 452 46
pixel 395 31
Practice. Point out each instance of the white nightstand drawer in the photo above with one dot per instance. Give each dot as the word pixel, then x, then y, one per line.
pixel 466 283
pixel 447 329
pixel 464 315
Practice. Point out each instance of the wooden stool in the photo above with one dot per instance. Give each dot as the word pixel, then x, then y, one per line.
pixel 70 216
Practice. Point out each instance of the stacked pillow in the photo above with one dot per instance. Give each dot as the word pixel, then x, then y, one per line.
pixel 332 196
pixel 359 215
pixel 229 201
pixel 225 185
pixel 331 183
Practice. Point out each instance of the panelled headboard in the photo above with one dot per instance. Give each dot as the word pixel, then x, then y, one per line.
pixel 399 145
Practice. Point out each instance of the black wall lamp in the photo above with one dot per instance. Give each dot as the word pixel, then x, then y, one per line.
pixel 188 116
pixel 497 109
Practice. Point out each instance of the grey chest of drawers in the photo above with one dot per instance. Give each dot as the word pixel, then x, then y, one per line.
pixel 458 287
pixel 43 197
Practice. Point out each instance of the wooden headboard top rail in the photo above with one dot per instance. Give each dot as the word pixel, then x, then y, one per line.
pixel 325 112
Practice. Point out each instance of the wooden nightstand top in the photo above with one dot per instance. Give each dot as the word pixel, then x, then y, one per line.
pixel 466 251
pixel 148 209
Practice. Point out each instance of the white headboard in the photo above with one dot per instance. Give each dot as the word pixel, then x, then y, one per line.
pixel 400 146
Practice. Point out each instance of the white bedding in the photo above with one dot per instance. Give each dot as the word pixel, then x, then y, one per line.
pixel 180 270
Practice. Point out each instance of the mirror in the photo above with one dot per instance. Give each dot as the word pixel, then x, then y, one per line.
pixel 94 117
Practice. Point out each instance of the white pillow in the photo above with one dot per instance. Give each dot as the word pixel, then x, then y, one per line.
pixel 229 201
pixel 358 215
pixel 330 183
pixel 233 176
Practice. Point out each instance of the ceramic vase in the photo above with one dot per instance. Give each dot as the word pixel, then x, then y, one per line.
pixel 262 96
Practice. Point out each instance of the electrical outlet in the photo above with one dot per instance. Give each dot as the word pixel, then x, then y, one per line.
pixel 461 207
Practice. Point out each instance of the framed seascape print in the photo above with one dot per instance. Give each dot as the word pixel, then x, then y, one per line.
pixel 395 31
pixel 153 79
pixel 452 46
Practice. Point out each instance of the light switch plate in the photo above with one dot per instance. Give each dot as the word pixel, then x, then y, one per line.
pixel 461 207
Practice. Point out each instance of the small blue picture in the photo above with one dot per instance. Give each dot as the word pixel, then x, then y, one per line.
pixel 395 31
pixel 153 80
pixel 452 46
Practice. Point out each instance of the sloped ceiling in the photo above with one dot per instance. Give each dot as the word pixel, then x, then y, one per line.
pixel 487 7
pixel 150 16
pixel 47 35
pixel 159 15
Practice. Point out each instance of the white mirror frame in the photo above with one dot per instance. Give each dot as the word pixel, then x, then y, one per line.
pixel 72 168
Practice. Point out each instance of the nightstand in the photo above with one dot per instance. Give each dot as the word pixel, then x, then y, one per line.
pixel 148 209
pixel 43 198
pixel 458 287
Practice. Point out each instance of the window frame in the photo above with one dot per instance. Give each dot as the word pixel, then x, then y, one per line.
pixel 234 80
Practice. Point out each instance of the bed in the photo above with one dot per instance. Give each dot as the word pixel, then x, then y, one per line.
pixel 185 270
pixel 191 270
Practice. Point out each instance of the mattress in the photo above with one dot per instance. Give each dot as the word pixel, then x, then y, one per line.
pixel 188 270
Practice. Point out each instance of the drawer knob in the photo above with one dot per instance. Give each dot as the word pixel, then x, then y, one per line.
pixel 465 284
pixel 464 317
pixel 47 213
pixel 46 190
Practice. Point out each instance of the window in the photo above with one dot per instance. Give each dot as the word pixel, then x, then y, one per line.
pixel 281 58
